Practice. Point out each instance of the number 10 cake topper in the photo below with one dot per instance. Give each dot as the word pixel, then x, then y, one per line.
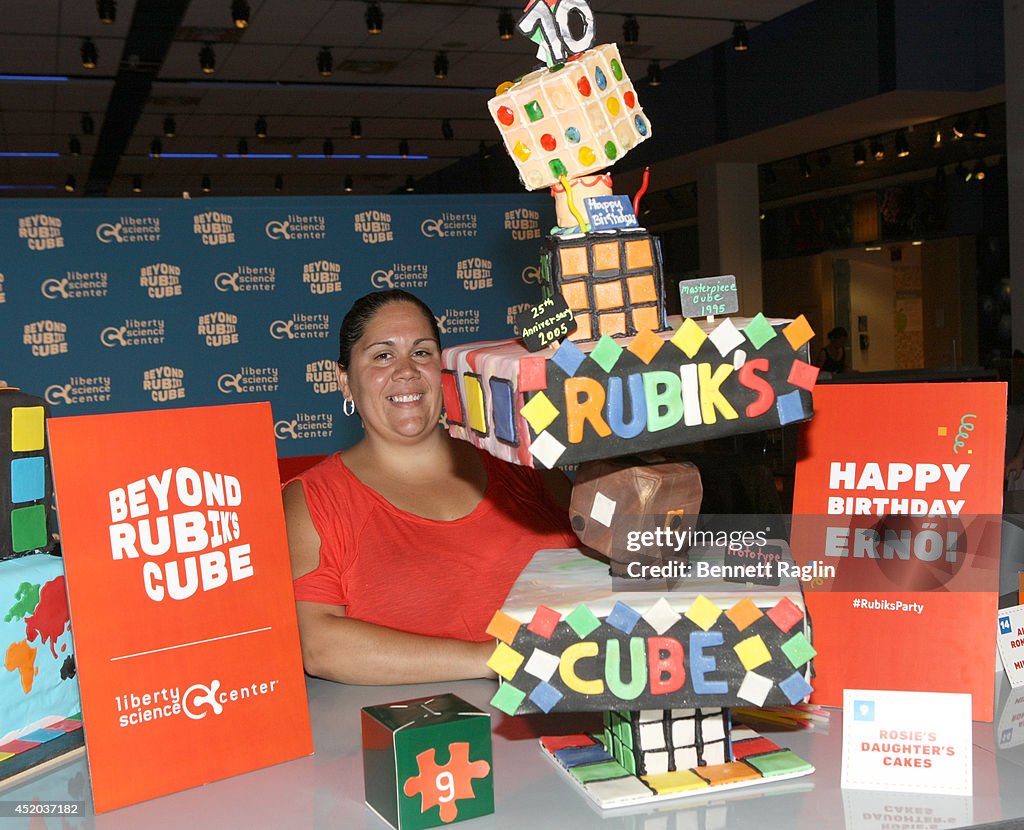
pixel 549 24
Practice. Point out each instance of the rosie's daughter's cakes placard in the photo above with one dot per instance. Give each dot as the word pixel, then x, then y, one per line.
pixel 180 591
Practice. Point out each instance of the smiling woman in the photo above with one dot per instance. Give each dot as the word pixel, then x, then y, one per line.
pixel 405 544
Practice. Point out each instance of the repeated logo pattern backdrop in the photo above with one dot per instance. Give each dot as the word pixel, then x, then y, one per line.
pixel 120 305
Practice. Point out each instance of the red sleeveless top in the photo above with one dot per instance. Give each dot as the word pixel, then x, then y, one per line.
pixel 442 579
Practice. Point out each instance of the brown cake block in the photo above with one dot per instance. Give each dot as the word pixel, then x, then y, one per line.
pixel 616 500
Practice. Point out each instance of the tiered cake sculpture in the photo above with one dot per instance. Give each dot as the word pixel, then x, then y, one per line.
pixel 624 382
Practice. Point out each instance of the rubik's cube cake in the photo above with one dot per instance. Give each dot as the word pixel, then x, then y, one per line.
pixel 666 668
pixel 570 119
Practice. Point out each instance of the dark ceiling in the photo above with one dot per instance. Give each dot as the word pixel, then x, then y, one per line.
pixel 148 70
pixel 148 78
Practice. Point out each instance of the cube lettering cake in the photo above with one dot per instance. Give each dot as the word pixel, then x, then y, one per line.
pixel 572 119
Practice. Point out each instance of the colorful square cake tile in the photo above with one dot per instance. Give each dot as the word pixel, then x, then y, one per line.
pixel 544 621
pixel 744 614
pixel 795 687
pixel 623 617
pixel 582 620
pixel 503 627
pixel 785 614
pixel 553 743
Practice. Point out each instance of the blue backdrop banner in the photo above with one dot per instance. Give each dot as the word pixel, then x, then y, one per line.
pixel 113 305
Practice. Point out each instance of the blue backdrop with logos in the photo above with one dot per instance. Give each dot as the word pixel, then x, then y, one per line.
pixel 114 305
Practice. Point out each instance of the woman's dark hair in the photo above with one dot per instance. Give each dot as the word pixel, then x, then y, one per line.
pixel 365 308
pixel 838 332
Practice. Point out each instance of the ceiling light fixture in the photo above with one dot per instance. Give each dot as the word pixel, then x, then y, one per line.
pixel 654 73
pixel 902 147
pixel 278 183
pixel 156 148
pixel 937 138
pixel 240 13
pixel 88 125
pixel 980 170
pixel 374 18
pixel 107 10
pixel 75 147
pixel 403 148
pixel 328 148
pixel 90 54
pixel 441 66
pixel 630 31
pixel 260 127
pixel 349 185
pixel 860 155
pixel 959 128
pixel 206 185
pixel 740 37
pixel 506 25
pixel 355 128
pixel 446 130
pixel 243 147
pixel 963 172
pixel 207 59
pixel 170 128
pixel 69 183
pixel 410 186
pixel 981 126
pixel 877 149
pixel 136 184
pixel 325 62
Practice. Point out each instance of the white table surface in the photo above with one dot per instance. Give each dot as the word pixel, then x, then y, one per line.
pixel 326 789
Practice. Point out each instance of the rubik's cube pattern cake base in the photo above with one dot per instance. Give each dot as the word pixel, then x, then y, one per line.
pixel 581 402
pixel 586 761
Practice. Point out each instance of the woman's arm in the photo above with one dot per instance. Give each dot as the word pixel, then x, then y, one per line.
pixel 337 647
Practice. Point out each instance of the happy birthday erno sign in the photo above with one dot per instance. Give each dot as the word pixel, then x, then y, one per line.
pixel 180 593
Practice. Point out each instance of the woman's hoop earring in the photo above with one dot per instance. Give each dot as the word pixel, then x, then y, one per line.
pixel 349 407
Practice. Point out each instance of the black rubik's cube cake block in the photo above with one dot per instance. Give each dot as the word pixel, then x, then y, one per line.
pixel 26 492
pixel 656 741
pixel 612 281
pixel 427 761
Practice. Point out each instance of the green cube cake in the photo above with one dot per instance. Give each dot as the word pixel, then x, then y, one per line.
pixel 427 761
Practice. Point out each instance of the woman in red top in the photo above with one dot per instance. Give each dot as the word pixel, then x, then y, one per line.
pixel 405 544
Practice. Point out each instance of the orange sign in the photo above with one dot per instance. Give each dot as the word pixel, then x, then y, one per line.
pixel 181 599
pixel 898 493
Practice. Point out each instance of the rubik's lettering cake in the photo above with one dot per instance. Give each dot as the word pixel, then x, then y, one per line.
pixel 576 403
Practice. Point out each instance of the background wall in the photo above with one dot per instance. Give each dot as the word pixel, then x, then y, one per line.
pixel 117 305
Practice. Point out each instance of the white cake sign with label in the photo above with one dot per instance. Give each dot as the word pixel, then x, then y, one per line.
pixel 907 741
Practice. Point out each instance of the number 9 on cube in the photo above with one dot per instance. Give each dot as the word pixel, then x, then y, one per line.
pixel 427 762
